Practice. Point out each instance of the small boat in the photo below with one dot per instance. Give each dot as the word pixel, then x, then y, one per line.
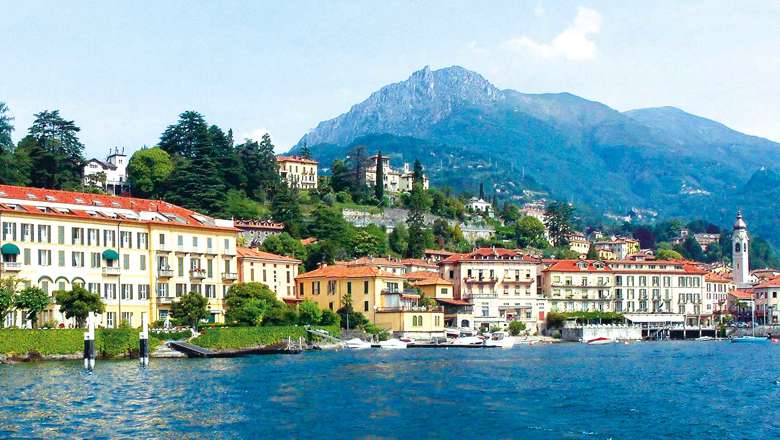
pixel 750 340
pixel 392 344
pixel 357 344
pixel 599 341
pixel 526 341
pixel 705 338
pixel 500 339
pixel 468 340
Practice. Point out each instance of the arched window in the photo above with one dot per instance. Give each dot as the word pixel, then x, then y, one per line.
pixel 736 247
pixel 744 247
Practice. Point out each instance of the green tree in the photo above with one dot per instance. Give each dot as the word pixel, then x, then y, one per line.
pixel 369 241
pixel 398 238
pixel 329 318
pixel 529 232
pixel 482 190
pixel 668 254
pixel 8 287
pixel 379 187
pixel 305 151
pixel 561 253
pixel 340 177
pixel 32 300
pixel 285 244
pixel 350 318
pixel 260 168
pixel 190 309
pixel 55 152
pixel 286 208
pixel 6 128
pixel 558 218
pixel 761 254
pixel 516 327
pixel 147 171
pixel 593 253
pixel 415 221
pixel 77 303
pixel 418 174
pixel 249 303
pixel 358 161
pixel 238 205
pixel 328 224
pixel 309 313
pixel 692 249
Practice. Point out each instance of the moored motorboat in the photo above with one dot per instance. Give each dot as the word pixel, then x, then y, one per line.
pixel 392 344
pixel 500 339
pixel 468 340
pixel 357 344
pixel 599 341
pixel 750 340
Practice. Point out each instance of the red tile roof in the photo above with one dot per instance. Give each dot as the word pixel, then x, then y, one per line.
pixel 713 277
pixel 93 206
pixel 573 266
pixel 295 159
pixel 417 262
pixel 371 261
pixel 254 253
pixel 497 253
pixel 438 252
pixel 453 302
pixel 772 282
pixel 341 271
pixel 741 294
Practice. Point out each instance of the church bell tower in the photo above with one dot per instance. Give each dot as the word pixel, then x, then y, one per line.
pixel 739 252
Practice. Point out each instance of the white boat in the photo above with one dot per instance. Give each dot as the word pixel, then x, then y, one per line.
pixel 357 344
pixel 599 341
pixel 500 339
pixel 392 344
pixel 525 341
pixel 705 338
pixel 468 340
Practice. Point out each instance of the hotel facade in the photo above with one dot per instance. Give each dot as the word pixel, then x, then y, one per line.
pixel 138 255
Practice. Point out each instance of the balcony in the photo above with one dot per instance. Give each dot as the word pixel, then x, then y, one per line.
pixel 12 266
pixel 479 280
pixel 517 280
pixel 112 270
pixel 165 299
pixel 165 272
pixel 230 252
pixel 482 295
pixel 197 274
pixel 229 276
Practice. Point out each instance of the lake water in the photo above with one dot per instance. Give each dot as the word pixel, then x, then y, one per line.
pixel 707 390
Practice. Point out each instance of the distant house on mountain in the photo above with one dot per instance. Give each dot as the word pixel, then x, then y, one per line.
pixel 395 180
pixel 109 175
pixel 298 172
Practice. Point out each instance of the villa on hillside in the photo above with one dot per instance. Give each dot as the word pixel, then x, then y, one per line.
pixel 298 172
pixel 395 181
pixel 109 175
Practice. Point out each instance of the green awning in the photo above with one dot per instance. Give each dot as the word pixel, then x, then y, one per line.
pixel 9 249
pixel 110 254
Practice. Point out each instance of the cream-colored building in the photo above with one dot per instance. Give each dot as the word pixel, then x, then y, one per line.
pixel 278 272
pixel 298 172
pixel 389 265
pixel 501 284
pixel 395 180
pixel 717 290
pixel 377 294
pixel 139 255
pixel 621 248
pixel 418 265
pixel 578 243
pixel 767 295
pixel 579 285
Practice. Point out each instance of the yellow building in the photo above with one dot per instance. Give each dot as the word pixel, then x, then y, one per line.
pixel 139 255
pixel 377 294
pixel 298 172
pixel 278 272
pixel 579 285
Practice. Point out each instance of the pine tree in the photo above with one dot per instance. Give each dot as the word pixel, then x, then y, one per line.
pixel 6 127
pixel 340 177
pixel 418 175
pixel 286 208
pixel 260 168
pixel 415 221
pixel 379 187
pixel 305 151
pixel 358 160
pixel 558 218
pixel 55 152
pixel 481 191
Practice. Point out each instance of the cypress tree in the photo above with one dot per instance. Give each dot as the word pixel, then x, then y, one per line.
pixel 415 220
pixel 379 188
pixel 481 190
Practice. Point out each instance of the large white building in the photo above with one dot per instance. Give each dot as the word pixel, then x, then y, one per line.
pixel 109 175
pixel 395 181
pixel 139 255
pixel 298 172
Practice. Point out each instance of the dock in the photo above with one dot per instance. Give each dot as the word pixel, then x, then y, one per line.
pixel 196 351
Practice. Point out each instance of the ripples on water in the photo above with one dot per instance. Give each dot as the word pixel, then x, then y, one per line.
pixel 708 390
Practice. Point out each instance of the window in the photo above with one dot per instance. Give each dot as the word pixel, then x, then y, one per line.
pixel 180 241
pixel 126 239
pixel 365 287
pixel 61 258
pixel 143 291
pixel 209 243
pixel 94 260
pixel 126 261
pixel 209 268
pixel 142 262
pixel 303 292
pixel 211 291
pixel 44 258
pixel 331 287
pixel 126 291
pixel 27 230
pixel 365 306
pixel 44 234
pixel 180 264
pixel 181 289
pixel 94 287
pixel 77 236
pixel 143 240
pixel 9 231
pixel 162 290
pixel 77 259
pixel 109 238
pixel 109 291
pixel 315 288
pixel 110 319
pixel 128 318
pixel 162 240
pixel 27 257
pixel 93 237
pixel 349 287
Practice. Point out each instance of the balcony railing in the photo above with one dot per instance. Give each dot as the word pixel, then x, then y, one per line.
pixel 514 280
pixel 482 295
pixel 113 270
pixel 481 280
pixel 198 274
pixel 165 299
pixel 12 266
pixel 230 276
pixel 164 272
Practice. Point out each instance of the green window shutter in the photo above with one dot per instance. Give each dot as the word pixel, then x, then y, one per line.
pixel 126 261
pixel 61 258
pixel 142 262
pixel 27 259
pixel 61 234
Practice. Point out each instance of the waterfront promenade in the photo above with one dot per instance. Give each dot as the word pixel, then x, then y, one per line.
pixel 649 390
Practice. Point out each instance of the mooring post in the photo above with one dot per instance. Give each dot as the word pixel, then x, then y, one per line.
pixel 89 343
pixel 143 342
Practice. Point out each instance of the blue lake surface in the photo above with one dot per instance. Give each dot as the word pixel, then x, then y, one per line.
pixel 691 390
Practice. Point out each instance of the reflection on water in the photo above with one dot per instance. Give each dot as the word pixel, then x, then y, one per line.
pixel 652 390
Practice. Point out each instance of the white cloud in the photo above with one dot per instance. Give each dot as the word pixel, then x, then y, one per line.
pixel 538 11
pixel 256 134
pixel 474 47
pixel 574 43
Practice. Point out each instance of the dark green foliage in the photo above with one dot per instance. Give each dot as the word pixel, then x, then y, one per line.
pixel 761 254
pixel 340 177
pixel 379 187
pixel 8 288
pixel 556 319
pixel 190 309
pixel 285 244
pixel 285 208
pixel 253 304
pixel 415 221
pixel 529 232
pixel 482 190
pixel 397 239
pixel 418 172
pixel 77 303
pixel 249 337
pixel 369 241
pixel 6 128
pixel 558 218
pixel 108 342
pixel 54 151
pixel 305 151
pixel 147 171
pixel 33 301
pixel 260 168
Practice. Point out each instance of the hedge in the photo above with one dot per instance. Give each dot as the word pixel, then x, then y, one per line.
pixel 108 342
pixel 247 337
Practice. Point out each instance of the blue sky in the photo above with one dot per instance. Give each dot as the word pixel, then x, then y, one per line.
pixel 124 70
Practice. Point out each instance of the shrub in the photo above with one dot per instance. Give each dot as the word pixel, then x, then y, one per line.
pixel 309 313
pixel 190 309
pixel 108 342
pixel 516 327
pixel 247 337
pixel 330 318
pixel 380 333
